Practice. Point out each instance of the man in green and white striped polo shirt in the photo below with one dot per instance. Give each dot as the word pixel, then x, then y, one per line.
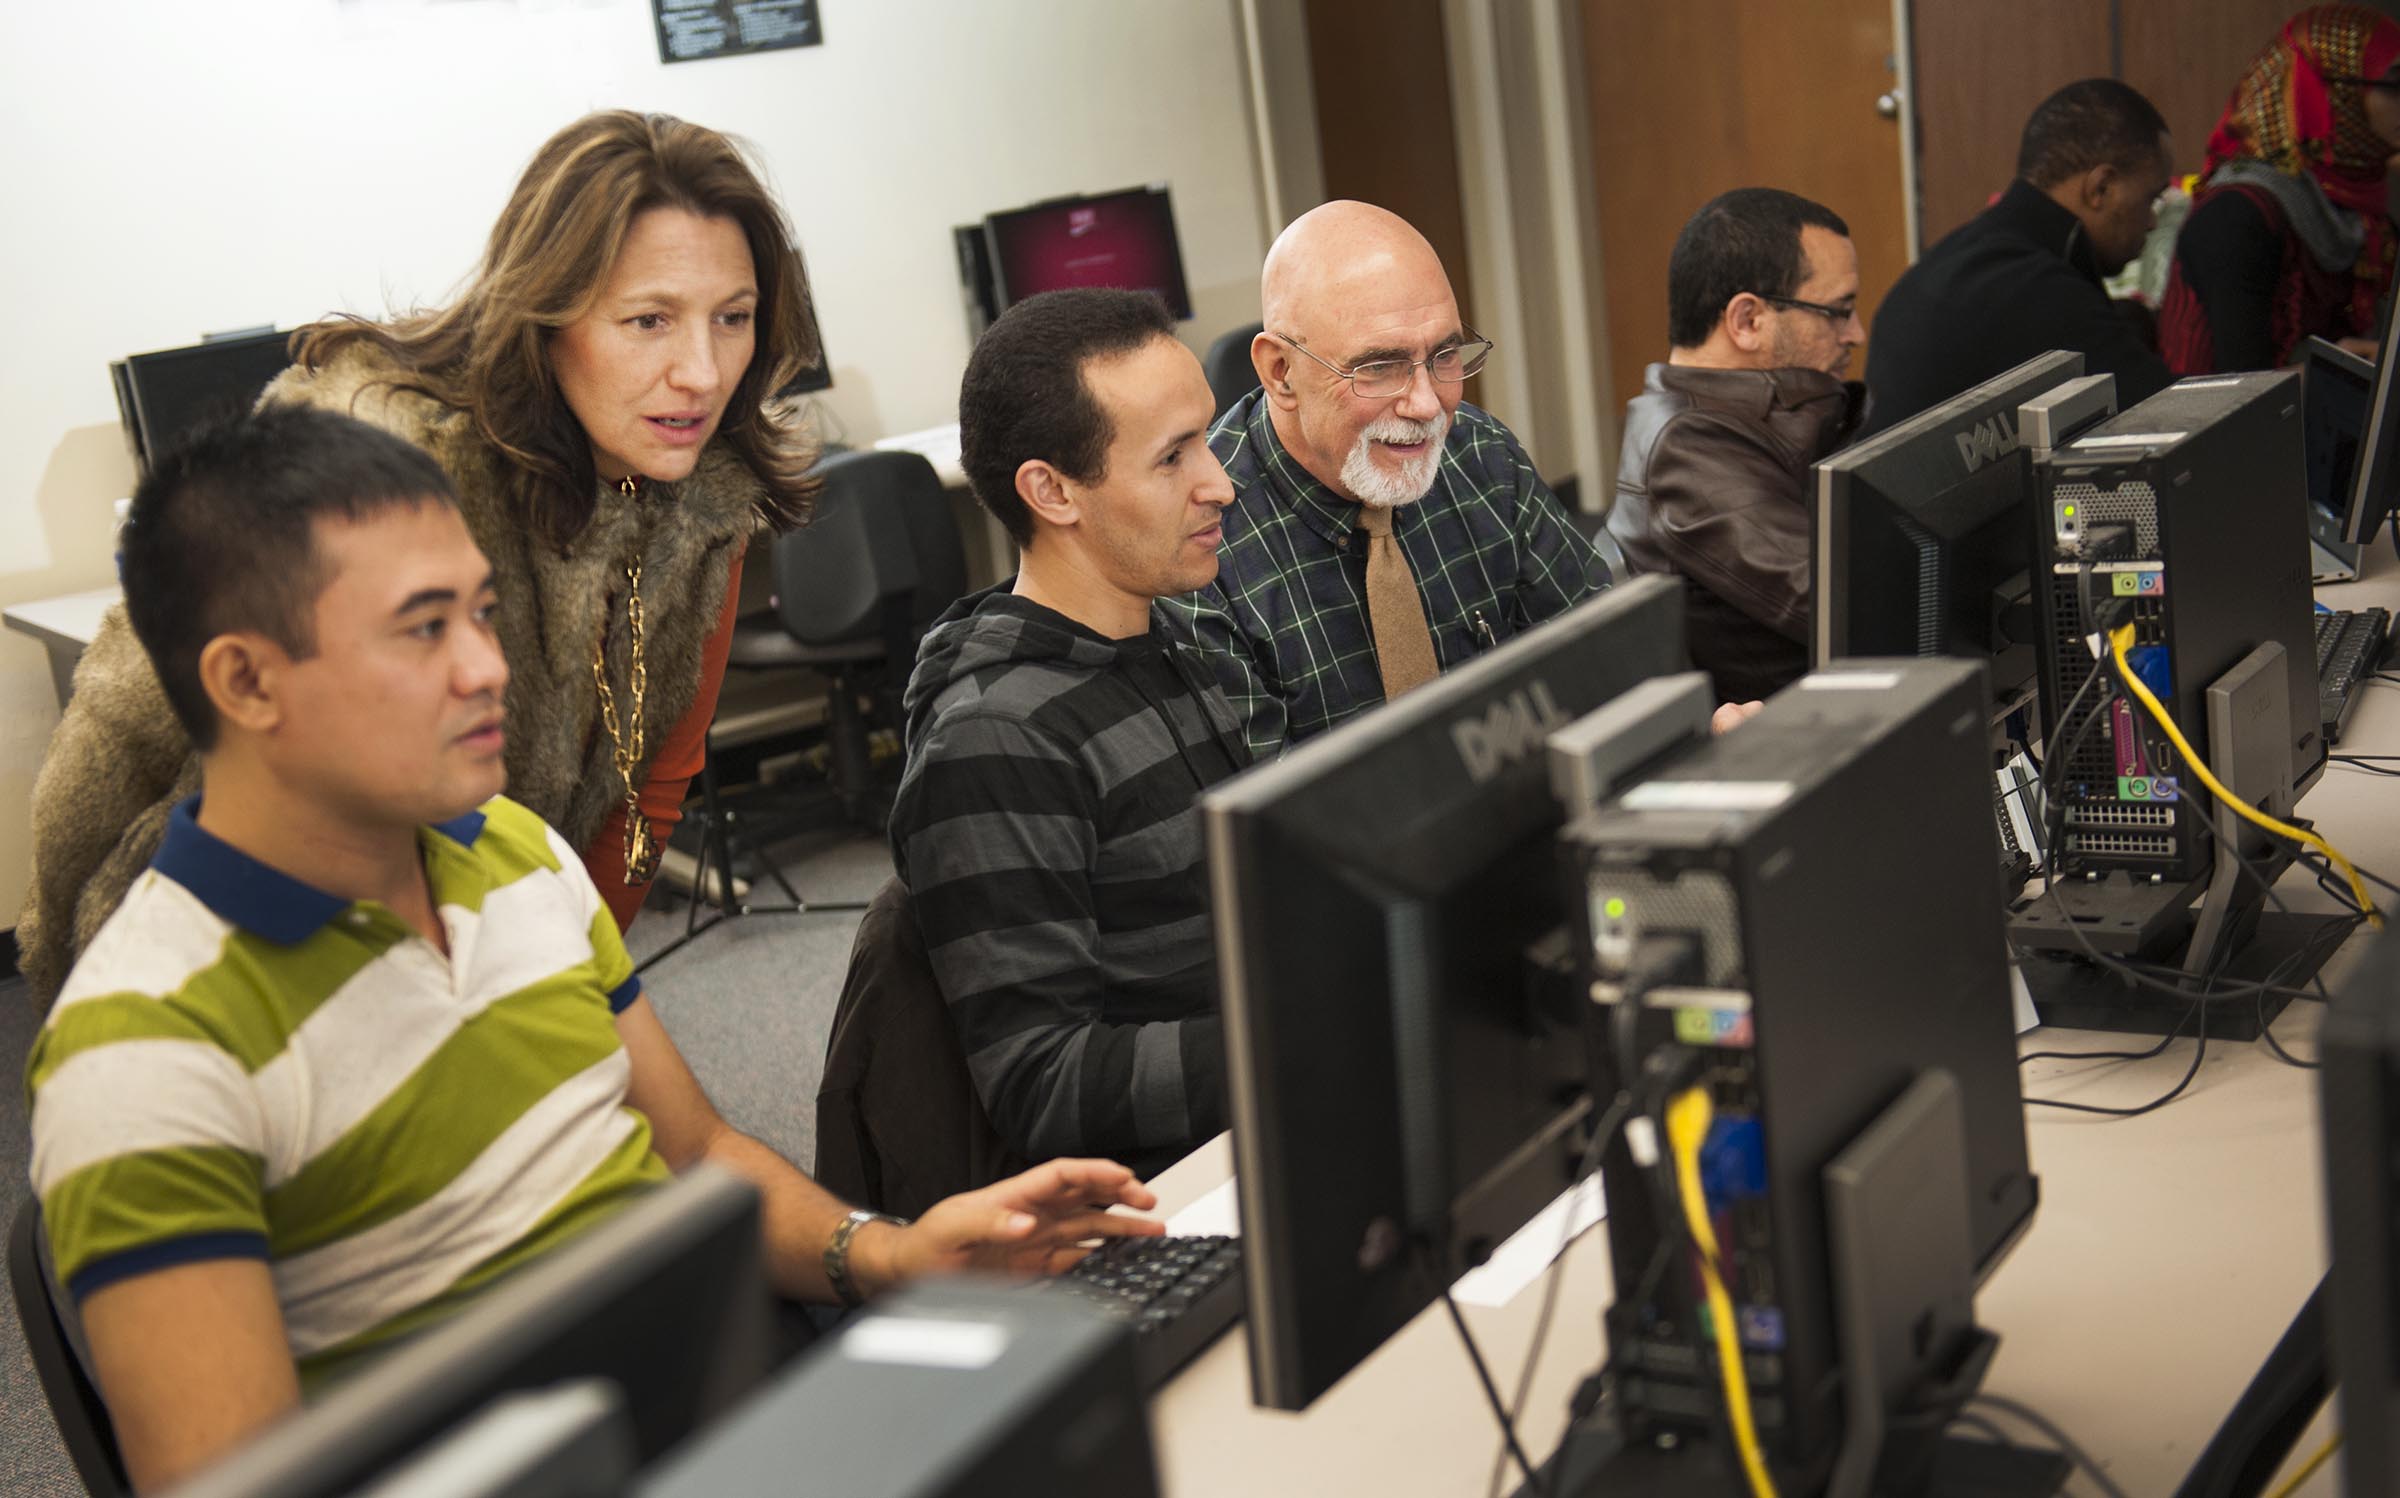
pixel 363 1038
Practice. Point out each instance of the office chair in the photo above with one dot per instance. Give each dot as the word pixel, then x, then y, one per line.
pixel 1228 367
pixel 900 1124
pixel 855 587
pixel 75 1403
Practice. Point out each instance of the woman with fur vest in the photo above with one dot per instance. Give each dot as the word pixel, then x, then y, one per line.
pixel 600 395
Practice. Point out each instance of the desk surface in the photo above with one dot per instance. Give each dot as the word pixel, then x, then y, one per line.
pixel 2169 1253
pixel 70 619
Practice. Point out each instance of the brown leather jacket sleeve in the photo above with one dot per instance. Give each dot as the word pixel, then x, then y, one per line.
pixel 117 765
pixel 1729 510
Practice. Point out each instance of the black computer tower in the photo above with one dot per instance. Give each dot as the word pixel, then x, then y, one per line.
pixel 2190 512
pixel 1835 857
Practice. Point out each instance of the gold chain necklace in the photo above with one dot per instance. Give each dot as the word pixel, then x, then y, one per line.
pixel 642 848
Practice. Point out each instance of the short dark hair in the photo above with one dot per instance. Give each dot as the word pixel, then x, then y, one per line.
pixel 221 535
pixel 2097 122
pixel 1024 396
pixel 1744 240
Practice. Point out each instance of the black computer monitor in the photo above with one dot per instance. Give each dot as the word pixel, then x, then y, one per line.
pixel 1922 532
pixel 2346 500
pixel 1119 239
pixel 2378 477
pixel 163 396
pixel 2360 1091
pixel 1407 1075
pixel 816 369
pixel 667 1300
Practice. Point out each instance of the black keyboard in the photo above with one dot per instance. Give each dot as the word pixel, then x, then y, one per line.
pixel 2350 649
pixel 1179 1293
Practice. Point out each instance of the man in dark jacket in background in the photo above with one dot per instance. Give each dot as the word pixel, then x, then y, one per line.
pixel 1712 480
pixel 1057 742
pixel 2024 276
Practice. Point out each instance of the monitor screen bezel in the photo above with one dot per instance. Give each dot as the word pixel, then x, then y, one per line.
pixel 1890 464
pixel 2373 486
pixel 997 226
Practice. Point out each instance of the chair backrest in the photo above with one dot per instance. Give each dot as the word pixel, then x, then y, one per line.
pixel 1230 373
pixel 941 552
pixel 879 556
pixel 75 1402
pixel 899 1122
pixel 834 574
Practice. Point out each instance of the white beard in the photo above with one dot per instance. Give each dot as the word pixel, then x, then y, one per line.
pixel 1372 484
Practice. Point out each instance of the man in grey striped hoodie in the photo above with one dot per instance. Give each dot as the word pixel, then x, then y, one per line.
pixel 1058 740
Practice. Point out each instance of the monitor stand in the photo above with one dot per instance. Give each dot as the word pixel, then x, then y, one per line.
pixel 2230 932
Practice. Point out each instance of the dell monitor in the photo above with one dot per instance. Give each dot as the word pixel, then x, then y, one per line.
pixel 2337 390
pixel 2378 478
pixel 1123 239
pixel 1406 1058
pixel 2360 1091
pixel 667 1300
pixel 1922 534
pixel 162 397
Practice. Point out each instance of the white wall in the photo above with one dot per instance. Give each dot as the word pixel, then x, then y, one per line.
pixel 179 166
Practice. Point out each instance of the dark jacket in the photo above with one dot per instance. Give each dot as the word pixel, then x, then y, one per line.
pixel 899 1123
pixel 2015 282
pixel 1047 830
pixel 2246 291
pixel 1712 487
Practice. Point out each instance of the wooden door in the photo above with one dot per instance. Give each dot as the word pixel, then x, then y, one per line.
pixel 2186 56
pixel 1980 70
pixel 1695 97
pixel 1385 134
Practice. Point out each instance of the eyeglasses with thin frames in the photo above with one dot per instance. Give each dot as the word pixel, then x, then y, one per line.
pixel 1381 379
pixel 1835 315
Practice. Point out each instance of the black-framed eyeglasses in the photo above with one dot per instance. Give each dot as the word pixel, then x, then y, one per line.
pixel 1835 315
pixel 1381 379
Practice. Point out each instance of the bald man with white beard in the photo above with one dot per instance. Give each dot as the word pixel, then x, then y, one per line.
pixel 1382 529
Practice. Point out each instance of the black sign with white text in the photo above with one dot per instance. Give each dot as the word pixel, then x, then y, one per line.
pixel 693 30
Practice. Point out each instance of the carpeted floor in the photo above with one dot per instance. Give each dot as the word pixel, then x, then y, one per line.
pixel 748 1005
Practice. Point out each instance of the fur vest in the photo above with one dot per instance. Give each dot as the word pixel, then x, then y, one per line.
pixel 120 761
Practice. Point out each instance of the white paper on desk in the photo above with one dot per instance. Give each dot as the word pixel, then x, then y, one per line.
pixel 1215 1215
pixel 1528 1251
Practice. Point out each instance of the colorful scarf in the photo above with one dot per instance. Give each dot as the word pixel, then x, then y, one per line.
pixel 2286 115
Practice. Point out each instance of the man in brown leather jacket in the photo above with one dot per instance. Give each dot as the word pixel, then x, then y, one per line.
pixel 1712 483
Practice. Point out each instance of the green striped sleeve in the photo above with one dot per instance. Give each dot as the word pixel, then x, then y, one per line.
pixel 132 1214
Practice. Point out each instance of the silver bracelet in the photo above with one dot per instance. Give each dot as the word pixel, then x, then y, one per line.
pixel 837 1252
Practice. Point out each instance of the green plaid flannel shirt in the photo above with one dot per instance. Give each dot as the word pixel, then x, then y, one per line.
pixel 1284 626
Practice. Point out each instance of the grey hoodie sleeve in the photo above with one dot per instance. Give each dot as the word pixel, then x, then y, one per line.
pixel 995 831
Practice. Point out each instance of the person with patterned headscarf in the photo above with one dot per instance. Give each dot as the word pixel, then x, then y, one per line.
pixel 2290 235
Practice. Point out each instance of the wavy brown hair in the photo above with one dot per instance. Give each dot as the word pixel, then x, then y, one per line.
pixel 487 354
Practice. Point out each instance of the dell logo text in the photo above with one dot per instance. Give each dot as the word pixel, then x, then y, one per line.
pixel 1992 438
pixel 1512 728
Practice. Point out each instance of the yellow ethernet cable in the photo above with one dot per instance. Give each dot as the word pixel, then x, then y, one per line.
pixel 2120 640
pixel 1687 1127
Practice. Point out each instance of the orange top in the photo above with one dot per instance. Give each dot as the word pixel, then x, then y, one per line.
pixel 671 769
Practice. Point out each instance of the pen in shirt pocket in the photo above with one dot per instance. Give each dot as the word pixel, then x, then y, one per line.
pixel 1483 629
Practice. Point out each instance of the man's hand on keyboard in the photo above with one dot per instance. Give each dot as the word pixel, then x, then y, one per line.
pixel 1035 1223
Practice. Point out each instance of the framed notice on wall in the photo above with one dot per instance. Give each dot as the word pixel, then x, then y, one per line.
pixel 694 30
